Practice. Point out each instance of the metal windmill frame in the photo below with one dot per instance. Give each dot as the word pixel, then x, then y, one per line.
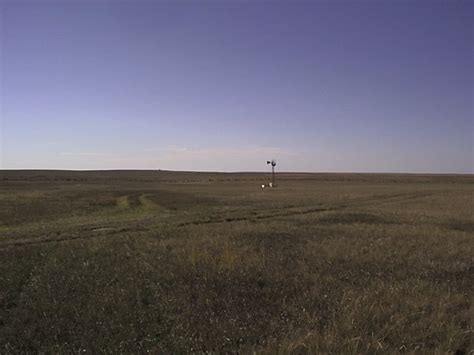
pixel 273 164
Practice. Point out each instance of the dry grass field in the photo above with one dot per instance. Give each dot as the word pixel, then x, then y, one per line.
pixel 166 262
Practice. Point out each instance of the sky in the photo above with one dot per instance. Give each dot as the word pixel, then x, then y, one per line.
pixel 320 86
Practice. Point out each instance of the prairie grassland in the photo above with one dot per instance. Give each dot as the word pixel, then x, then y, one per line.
pixel 135 261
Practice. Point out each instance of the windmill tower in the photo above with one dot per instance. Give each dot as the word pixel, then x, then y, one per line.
pixel 272 163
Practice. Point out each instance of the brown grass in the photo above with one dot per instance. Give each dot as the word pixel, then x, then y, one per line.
pixel 187 262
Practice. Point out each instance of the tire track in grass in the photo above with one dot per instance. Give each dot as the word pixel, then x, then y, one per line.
pixel 135 201
pixel 359 202
pixel 122 202
pixel 89 233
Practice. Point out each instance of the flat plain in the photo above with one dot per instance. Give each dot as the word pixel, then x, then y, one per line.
pixel 177 262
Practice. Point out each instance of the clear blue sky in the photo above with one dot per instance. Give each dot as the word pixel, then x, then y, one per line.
pixel 364 86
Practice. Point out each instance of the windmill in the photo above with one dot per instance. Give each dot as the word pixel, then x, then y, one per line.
pixel 272 163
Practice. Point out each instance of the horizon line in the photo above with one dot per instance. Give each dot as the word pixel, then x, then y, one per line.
pixel 237 172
